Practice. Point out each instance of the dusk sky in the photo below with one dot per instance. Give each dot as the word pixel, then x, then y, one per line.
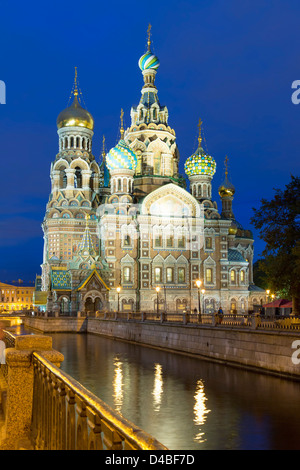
pixel 231 63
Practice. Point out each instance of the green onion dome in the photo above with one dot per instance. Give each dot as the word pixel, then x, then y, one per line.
pixel 148 61
pixel 121 157
pixel 200 164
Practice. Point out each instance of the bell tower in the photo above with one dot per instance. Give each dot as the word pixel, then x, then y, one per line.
pixel 74 192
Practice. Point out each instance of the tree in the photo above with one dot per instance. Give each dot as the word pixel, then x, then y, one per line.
pixel 278 221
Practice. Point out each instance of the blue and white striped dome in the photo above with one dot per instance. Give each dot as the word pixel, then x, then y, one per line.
pixel 121 157
pixel 148 61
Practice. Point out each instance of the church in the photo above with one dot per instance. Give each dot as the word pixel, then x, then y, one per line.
pixel 125 233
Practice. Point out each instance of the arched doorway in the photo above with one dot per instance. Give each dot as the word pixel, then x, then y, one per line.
pixel 64 306
pixel 92 305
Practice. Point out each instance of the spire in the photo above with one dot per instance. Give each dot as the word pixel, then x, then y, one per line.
pixel 103 148
pixel 122 128
pixel 86 247
pixel 199 138
pixel 75 92
pixel 226 166
pixel 149 37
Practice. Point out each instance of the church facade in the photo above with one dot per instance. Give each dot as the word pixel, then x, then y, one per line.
pixel 126 233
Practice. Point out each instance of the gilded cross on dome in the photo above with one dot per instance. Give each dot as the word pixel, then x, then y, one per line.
pixel 149 36
pixel 199 126
pixel 122 128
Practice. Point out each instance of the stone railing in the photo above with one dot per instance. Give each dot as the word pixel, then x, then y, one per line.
pixel 241 320
pixel 45 409
pixel 66 416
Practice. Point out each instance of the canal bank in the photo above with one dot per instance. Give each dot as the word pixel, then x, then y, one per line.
pixel 272 352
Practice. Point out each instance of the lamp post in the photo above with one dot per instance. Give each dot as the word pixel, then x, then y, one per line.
pixel 198 284
pixel 203 292
pixel 118 291
pixel 268 293
pixel 157 288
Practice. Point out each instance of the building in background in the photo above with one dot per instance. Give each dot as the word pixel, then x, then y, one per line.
pixel 15 298
pixel 126 233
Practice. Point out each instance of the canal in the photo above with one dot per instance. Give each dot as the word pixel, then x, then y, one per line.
pixel 184 402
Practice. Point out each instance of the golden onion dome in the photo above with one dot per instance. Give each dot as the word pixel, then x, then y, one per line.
pixel 226 189
pixel 233 229
pixel 75 115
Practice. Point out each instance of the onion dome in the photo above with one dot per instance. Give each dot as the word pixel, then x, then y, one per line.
pixel 226 189
pixel 75 115
pixel 121 157
pixel 200 163
pixel 149 61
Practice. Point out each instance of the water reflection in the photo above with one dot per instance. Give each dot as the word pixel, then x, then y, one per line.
pixel 200 410
pixel 162 393
pixel 158 387
pixel 118 384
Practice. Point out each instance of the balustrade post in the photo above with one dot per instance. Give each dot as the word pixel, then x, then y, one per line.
pixel 20 383
pixel 255 321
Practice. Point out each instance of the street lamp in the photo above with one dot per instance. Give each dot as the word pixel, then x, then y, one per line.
pixel 203 292
pixel 118 291
pixel 157 288
pixel 268 293
pixel 198 284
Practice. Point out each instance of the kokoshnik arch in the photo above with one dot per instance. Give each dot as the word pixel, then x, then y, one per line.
pixel 129 222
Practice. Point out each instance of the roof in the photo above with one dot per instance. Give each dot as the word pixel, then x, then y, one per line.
pixel 254 288
pixel 85 281
pixel 281 303
pixel 235 255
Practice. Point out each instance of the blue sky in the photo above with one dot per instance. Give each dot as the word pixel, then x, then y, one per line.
pixel 232 63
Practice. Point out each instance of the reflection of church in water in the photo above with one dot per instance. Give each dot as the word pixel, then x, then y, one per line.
pixel 129 222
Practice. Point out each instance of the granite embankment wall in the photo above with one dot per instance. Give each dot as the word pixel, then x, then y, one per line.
pixel 265 351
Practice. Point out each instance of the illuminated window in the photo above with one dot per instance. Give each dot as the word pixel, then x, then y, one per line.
pixel 232 275
pixel 181 242
pixel 126 274
pixel 157 241
pixel 169 274
pixel 127 240
pixel 208 275
pixel 208 243
pixel 242 276
pixel 157 274
pixel 170 241
pixel 181 274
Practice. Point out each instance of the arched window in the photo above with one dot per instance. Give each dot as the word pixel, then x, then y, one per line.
pixel 170 275
pixel 63 179
pixel 72 142
pixel 208 243
pixel 77 142
pixel 77 178
pixel 232 276
pixel 209 275
pixel 126 274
